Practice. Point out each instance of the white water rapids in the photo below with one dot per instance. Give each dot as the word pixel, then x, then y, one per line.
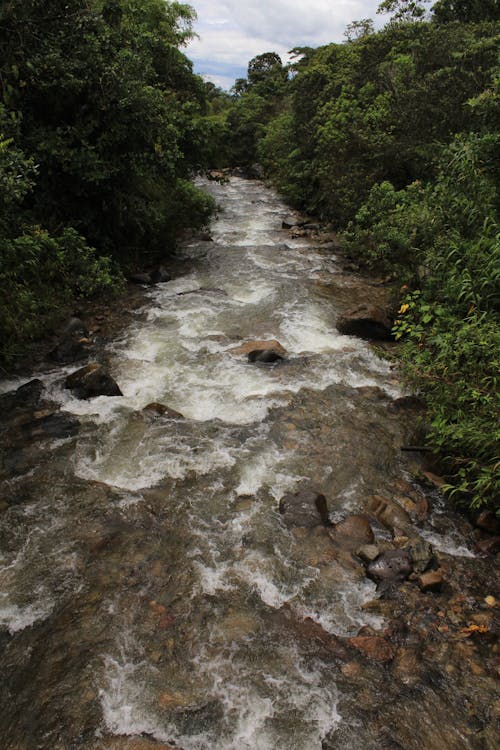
pixel 192 645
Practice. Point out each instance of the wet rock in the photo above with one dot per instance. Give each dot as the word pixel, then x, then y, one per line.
pixel 160 410
pixel 405 404
pixel 140 278
pixel 388 513
pixel 265 356
pixel 489 546
pixel 431 581
pixel 371 393
pixel 250 346
pixel 25 397
pixel 487 521
pixel 204 237
pixel 132 743
pixel 312 631
pixel 217 175
pixel 391 567
pixel 73 348
pixel 160 275
pixel 407 667
pixel 366 321
pixel 305 508
pixel 75 327
pixel 289 222
pixel 374 647
pixel 421 555
pixel 353 532
pixel 368 553
pixel 256 172
pixel 92 381
pixel 55 425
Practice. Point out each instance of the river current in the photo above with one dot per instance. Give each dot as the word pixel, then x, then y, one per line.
pixel 149 584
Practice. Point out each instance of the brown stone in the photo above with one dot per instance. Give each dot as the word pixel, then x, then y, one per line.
pixel 353 532
pixel 250 346
pixel 406 666
pixel 374 647
pixel 388 513
pixel 487 521
pixel 306 508
pixel 368 552
pixel 489 546
pixel 92 381
pixel 366 321
pixel 431 581
pixel 160 410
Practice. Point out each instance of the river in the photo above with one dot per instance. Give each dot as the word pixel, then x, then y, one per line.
pixel 149 584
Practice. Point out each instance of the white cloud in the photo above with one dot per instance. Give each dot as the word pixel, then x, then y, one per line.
pixel 232 32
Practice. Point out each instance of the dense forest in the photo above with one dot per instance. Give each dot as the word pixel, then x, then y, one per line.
pixel 100 130
pixel 391 138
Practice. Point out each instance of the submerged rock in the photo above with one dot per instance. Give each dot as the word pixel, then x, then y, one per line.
pixel 374 647
pixel 56 425
pixel 391 566
pixel 388 513
pixel 353 532
pixel 265 356
pixel 132 743
pixel 160 410
pixel 421 555
pixel 305 508
pixel 92 381
pixel 25 397
pixel 431 581
pixel 366 321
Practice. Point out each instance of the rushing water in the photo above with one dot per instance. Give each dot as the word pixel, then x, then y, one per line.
pixel 149 584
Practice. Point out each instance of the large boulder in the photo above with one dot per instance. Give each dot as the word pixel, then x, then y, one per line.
pixel 55 425
pixel 306 508
pixel 26 396
pixel 160 275
pixel 92 381
pixel 263 345
pixel 366 321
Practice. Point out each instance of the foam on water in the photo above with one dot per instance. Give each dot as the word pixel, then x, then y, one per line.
pixel 447 544
pixel 16 618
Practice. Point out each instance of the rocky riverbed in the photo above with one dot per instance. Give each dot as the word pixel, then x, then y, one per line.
pixel 231 550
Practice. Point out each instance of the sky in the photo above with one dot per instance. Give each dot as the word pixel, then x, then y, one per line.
pixel 231 32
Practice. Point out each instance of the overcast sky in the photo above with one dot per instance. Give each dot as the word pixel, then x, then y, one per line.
pixel 231 32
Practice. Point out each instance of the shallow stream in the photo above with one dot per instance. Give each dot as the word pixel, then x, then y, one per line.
pixel 149 584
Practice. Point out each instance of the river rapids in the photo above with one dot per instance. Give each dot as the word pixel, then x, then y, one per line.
pixel 150 591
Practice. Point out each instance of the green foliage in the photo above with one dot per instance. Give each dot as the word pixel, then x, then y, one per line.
pixel 443 238
pixel 103 123
pixel 392 137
